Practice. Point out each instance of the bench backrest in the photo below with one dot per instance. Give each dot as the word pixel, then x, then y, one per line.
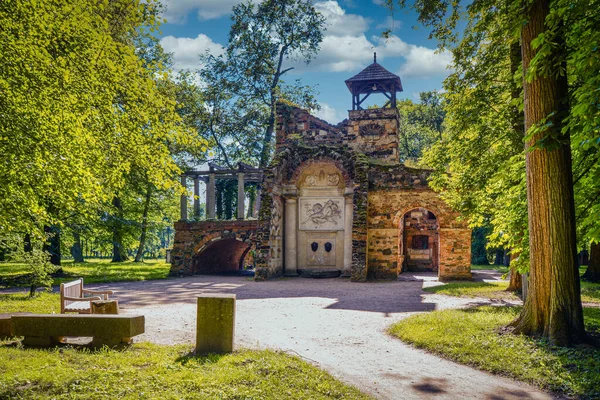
pixel 70 289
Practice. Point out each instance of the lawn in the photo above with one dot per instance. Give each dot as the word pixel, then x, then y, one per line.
pixel 490 290
pixel 146 370
pixel 162 372
pixel 92 271
pixel 472 337
pixel 500 268
pixel 590 292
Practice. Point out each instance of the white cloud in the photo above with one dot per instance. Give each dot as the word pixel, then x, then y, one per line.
pixel 329 114
pixel 423 62
pixel 177 10
pixel 186 51
pixel 338 22
pixel 389 23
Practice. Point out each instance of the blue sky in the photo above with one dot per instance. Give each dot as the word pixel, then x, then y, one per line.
pixel 353 33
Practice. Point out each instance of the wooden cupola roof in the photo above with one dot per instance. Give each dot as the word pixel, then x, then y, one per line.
pixel 374 79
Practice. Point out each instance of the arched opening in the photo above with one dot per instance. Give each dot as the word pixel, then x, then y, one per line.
pixel 226 256
pixel 419 242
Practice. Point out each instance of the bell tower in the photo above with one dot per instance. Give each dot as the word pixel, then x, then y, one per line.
pixel 374 131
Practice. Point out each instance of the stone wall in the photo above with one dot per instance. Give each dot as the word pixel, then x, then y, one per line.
pixel 374 132
pixel 192 238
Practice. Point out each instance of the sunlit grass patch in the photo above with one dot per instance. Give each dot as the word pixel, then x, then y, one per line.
pixel 491 290
pixel 500 268
pixel 163 372
pixel 41 303
pixel 92 271
pixel 472 337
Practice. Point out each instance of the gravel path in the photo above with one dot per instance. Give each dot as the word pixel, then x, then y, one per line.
pixel 336 324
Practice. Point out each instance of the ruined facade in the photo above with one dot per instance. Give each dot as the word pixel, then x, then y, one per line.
pixel 337 198
pixel 335 201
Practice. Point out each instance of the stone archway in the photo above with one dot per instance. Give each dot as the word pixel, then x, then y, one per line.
pixel 419 241
pixel 221 256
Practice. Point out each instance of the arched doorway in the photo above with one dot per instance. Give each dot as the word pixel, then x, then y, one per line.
pixel 419 241
pixel 225 256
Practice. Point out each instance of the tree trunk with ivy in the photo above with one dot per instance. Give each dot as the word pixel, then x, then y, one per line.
pixel 592 273
pixel 553 306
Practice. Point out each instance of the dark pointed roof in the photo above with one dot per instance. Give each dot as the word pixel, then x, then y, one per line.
pixel 374 73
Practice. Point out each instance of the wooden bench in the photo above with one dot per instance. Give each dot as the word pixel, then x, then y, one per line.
pixel 45 330
pixel 72 297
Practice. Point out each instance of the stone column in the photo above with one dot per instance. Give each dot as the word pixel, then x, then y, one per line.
pixel 349 215
pixel 210 197
pixel 256 211
pixel 196 197
pixel 291 242
pixel 241 198
pixel 183 200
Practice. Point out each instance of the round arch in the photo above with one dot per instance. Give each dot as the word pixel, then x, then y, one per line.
pixel 419 239
pixel 221 256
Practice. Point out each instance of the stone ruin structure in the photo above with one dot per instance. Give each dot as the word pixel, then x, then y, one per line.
pixel 336 200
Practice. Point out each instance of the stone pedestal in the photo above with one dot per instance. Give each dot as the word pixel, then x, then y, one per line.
pixel 215 323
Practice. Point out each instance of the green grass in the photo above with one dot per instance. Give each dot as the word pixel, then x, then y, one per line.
pixel 41 303
pixel 491 290
pixel 92 271
pixel 500 268
pixel 471 336
pixel 162 372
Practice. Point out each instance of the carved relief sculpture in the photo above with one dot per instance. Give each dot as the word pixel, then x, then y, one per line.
pixel 321 213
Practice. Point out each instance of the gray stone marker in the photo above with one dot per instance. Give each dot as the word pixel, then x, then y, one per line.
pixel 215 322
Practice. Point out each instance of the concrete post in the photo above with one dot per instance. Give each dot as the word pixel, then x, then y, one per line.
pixel 183 200
pixel 241 196
pixel 349 211
pixel 196 198
pixel 210 197
pixel 291 243
pixel 215 323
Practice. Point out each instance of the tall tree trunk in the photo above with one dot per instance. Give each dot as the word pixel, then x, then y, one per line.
pixel 553 306
pixel 119 253
pixel 52 244
pixel 516 280
pixel 592 273
pixel 77 248
pixel 140 252
pixel 27 246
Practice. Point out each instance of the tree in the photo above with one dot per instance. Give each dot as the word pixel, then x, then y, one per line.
pixel 554 39
pixel 592 273
pixel 261 39
pixel 79 108
pixel 420 125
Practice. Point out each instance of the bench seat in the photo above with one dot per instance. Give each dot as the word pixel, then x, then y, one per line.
pixel 78 306
pixel 48 329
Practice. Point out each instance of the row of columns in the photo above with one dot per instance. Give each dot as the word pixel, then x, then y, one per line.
pixel 211 197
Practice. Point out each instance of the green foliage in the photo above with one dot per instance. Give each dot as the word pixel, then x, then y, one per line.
pixel 35 261
pixel 247 81
pixel 472 337
pixel 165 372
pixel 420 125
pixel 81 106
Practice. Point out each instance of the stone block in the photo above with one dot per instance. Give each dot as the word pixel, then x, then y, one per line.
pixel 44 330
pixel 6 330
pixel 105 307
pixel 215 323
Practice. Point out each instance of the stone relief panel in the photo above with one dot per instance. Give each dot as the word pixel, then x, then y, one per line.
pixel 321 213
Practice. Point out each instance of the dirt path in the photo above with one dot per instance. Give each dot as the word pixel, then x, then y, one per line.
pixel 336 324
